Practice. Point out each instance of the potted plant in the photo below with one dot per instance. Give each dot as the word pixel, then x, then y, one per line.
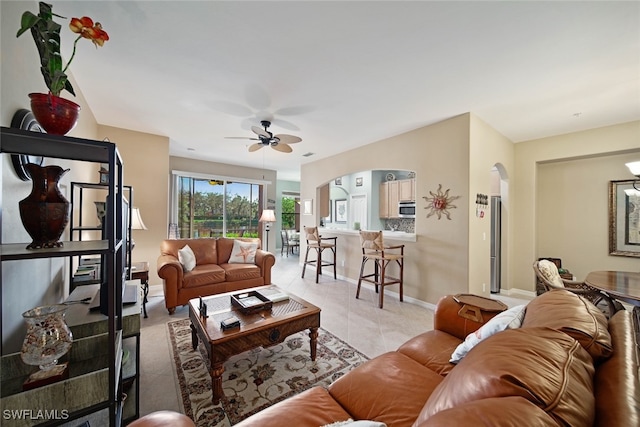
pixel 56 115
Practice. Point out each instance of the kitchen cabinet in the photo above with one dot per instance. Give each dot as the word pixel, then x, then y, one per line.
pixel 95 383
pixel 407 190
pixel 389 198
pixel 324 202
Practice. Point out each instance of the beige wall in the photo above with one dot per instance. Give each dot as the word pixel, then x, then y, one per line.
pixel 487 148
pixel 146 165
pixel 572 212
pixel 437 263
pixel 597 144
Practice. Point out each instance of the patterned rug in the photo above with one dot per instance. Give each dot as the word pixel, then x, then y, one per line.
pixel 257 378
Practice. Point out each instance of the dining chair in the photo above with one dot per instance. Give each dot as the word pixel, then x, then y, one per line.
pixel 284 241
pixel 288 244
pixel 319 244
pixel 293 240
pixel 383 257
pixel 547 271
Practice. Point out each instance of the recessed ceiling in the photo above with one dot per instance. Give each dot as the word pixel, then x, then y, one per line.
pixel 344 74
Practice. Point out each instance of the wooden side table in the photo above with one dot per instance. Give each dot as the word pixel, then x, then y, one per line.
pixel 140 270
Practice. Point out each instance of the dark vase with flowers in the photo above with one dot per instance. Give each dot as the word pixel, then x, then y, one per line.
pixel 45 212
pixel 56 115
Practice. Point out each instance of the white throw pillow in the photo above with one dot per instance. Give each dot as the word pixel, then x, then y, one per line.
pixel 508 319
pixel 187 258
pixel 243 252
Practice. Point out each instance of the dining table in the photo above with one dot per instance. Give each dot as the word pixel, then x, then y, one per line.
pixel 620 285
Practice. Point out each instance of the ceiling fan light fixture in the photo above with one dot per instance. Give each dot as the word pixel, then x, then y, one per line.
pixel 278 142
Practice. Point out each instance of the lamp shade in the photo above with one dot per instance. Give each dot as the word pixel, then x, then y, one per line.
pixel 136 220
pixel 268 215
pixel 634 167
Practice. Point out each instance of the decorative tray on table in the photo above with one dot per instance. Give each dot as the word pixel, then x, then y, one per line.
pixel 251 302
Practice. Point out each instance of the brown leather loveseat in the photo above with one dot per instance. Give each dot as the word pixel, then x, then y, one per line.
pixel 213 274
pixel 566 365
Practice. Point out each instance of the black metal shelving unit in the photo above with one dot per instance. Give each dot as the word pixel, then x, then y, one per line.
pixel 85 378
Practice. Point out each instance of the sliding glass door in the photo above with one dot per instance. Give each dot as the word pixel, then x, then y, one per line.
pixel 217 207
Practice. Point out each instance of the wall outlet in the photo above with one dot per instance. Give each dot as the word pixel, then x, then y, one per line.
pixel 484 287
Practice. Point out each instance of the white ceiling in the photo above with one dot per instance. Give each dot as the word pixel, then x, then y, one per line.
pixel 344 74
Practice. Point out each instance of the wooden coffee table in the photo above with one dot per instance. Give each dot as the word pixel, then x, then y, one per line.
pixel 262 329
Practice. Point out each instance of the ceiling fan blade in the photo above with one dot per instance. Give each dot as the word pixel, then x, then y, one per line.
pixel 285 124
pixel 292 111
pixel 287 139
pixel 259 131
pixel 284 148
pixel 255 147
pixel 241 137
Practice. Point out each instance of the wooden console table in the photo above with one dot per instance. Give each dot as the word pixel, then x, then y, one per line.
pixel 140 270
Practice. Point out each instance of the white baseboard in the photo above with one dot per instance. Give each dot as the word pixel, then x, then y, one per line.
pixel 521 293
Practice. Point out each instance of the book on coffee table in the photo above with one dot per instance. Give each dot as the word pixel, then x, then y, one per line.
pixel 273 295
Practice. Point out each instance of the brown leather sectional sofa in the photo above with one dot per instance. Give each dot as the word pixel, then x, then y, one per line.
pixel 565 366
pixel 212 274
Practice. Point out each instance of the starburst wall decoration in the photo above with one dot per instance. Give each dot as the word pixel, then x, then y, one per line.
pixel 440 203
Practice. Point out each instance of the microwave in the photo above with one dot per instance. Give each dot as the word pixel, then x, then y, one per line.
pixel 407 209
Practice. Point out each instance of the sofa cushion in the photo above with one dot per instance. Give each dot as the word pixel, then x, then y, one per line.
pixel 204 275
pixel 545 366
pixel 311 408
pixel 236 272
pixel 432 349
pixel 392 388
pixel 563 310
pixel 509 319
pixel 616 377
pixel 509 411
pixel 243 253
pixel 225 246
pixel 187 258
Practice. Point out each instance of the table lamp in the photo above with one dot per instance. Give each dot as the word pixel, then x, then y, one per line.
pixel 268 216
pixel 136 224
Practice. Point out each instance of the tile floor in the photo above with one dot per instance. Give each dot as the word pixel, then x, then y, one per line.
pixel 357 321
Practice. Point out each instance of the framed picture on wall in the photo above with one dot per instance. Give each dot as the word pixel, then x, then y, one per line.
pixel 359 181
pixel 307 207
pixel 624 219
pixel 338 181
pixel 340 211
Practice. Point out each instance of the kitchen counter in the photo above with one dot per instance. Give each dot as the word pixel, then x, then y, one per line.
pixel 387 234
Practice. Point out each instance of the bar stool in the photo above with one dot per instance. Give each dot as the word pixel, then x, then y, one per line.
pixel 373 248
pixel 319 244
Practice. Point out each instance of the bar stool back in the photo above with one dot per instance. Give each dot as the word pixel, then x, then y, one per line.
pixel 373 248
pixel 318 244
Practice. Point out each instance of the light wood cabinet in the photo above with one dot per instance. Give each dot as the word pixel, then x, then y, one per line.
pixel 407 190
pixel 389 198
pixel 324 201
pixel 384 200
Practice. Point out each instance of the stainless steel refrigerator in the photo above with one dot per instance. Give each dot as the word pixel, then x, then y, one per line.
pixel 495 243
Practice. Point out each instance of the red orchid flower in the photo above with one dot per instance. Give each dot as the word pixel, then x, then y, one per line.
pixel 86 28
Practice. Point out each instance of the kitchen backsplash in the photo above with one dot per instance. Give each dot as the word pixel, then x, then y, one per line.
pixel 408 225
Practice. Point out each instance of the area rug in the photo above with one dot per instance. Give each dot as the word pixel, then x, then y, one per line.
pixel 257 378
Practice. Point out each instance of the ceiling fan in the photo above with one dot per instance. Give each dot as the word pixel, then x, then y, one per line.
pixel 278 142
